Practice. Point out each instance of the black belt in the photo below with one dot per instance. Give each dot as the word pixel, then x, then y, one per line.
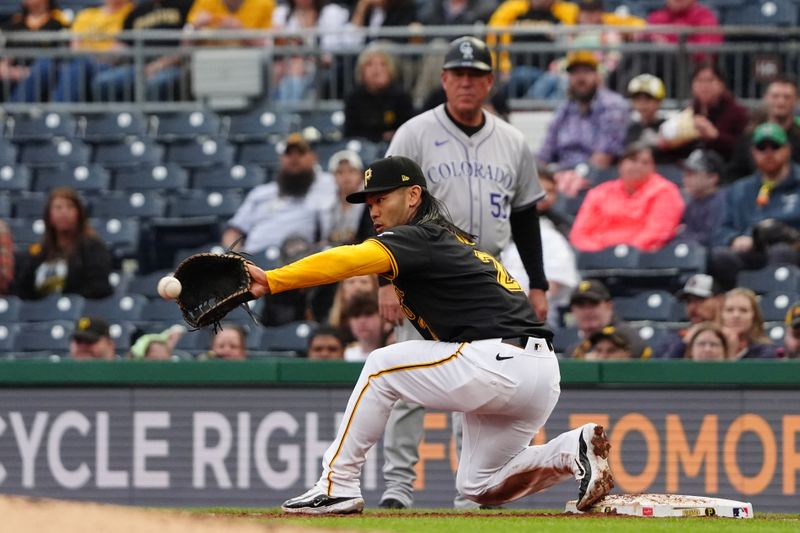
pixel 521 342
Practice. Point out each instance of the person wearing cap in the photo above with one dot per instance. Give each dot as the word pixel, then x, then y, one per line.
pixel 293 204
pixel 610 344
pixel 346 223
pixel 484 353
pixel 91 341
pixel 705 207
pixel 702 299
pixel 791 333
pixel 483 171
pixel 780 102
pixel 640 208
pixel 593 310
pixel 646 93
pixel 587 129
pixel 769 194
pixel 377 105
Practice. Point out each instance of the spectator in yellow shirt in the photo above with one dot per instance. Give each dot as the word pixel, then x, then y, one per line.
pixel 232 14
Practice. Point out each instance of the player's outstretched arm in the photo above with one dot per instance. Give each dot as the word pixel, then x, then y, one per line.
pixel 258 281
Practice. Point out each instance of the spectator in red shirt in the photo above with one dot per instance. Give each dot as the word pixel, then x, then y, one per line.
pixel 684 13
pixel 640 208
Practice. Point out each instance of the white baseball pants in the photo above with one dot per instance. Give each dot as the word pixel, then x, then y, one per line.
pixel 507 393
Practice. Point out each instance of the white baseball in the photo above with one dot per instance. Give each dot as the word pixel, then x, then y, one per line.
pixel 169 287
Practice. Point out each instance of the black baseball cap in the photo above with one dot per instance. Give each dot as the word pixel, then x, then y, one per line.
pixel 590 290
pixel 388 174
pixel 468 52
pixel 90 329
pixel 704 161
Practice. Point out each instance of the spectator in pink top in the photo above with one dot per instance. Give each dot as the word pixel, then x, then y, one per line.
pixel 684 13
pixel 640 208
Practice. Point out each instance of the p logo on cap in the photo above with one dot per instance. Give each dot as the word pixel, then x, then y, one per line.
pixel 367 176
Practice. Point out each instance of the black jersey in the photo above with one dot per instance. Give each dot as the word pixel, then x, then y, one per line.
pixel 454 292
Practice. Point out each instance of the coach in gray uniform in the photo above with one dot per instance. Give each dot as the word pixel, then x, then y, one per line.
pixel 485 173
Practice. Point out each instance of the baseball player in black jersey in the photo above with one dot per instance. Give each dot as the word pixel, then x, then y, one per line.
pixel 484 354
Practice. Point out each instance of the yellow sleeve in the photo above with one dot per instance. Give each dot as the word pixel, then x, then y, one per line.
pixel 335 264
pixel 504 16
pixel 199 6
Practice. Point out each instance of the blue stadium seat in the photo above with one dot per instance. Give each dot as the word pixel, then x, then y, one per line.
pixel 41 126
pixel 202 203
pixel 200 153
pixel 367 150
pixel 126 204
pixel 58 152
pixel 8 337
pixel 675 258
pixel 166 177
pixel 195 342
pixel 653 335
pixel 261 154
pixel 292 337
pixel 158 310
pixel 116 308
pixel 773 278
pixel 673 173
pixel 132 152
pixel 86 178
pixel 761 12
pixel 172 127
pixel 211 247
pixel 329 124
pixel 120 235
pixel 50 337
pixel 8 153
pixel 776 332
pixel 121 333
pixel 25 231
pixel 774 305
pixel 564 338
pixel 615 260
pixel 147 284
pixel 30 204
pixel 9 309
pixel 113 127
pixel 165 236
pixel 261 125
pixel 15 178
pixel 220 177
pixel 659 306
pixel 54 307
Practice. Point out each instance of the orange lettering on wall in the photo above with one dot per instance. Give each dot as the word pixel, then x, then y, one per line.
pixel 758 426
pixel 576 420
pixel 540 438
pixel 680 454
pixel 639 423
pixel 791 456
pixel 429 451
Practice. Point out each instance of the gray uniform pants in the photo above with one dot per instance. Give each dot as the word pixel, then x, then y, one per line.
pixel 401 439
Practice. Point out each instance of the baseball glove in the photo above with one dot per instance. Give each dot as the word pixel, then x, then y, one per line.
pixel 213 285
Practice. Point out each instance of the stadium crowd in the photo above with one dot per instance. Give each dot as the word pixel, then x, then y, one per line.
pixel 668 233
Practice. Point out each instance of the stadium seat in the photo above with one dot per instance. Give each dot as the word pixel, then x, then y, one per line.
pixel 172 127
pixel 8 337
pixel 163 237
pixel 117 308
pixel 58 152
pixel 675 258
pixel 121 235
pixel 211 247
pixel 86 178
pixel 126 204
pixel 564 338
pixel 261 154
pixel 292 337
pixel 653 335
pixel 261 125
pixel 776 332
pixel 121 333
pixel 50 337
pixel 132 152
pixel 167 177
pixel 775 305
pixel 146 284
pixel 673 173
pixel 761 12
pixel 8 153
pixel 30 204
pixel 26 231
pixel 112 127
pixel 658 306
pixel 329 124
pixel 201 203
pixel 41 126
pixel 220 177
pixel 5 205
pixel 195 342
pixel 368 151
pixel 609 262
pixel 15 178
pixel 773 278
pixel 54 307
pixel 200 153
pixel 9 309
pixel 158 310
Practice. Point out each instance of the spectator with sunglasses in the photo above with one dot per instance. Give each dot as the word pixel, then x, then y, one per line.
pixel 769 197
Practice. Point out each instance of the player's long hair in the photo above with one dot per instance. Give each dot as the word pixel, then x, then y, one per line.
pixel 432 211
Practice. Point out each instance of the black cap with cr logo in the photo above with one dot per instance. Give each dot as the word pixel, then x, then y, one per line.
pixel 468 52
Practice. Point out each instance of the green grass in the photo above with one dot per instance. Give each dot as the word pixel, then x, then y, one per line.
pixel 506 521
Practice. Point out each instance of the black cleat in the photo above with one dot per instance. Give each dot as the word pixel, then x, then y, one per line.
pixel 315 501
pixel 391 503
pixel 596 479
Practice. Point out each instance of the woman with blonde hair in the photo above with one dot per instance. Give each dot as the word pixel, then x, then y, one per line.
pixel 743 323
pixel 70 258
